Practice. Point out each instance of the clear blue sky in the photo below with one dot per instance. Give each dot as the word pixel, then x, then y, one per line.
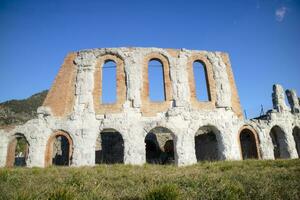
pixel 262 38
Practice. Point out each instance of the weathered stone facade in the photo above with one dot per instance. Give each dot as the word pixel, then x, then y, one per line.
pixel 73 110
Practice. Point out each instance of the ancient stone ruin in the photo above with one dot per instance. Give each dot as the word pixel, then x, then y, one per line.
pixel 75 127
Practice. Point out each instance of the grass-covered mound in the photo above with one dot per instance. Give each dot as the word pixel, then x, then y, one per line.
pixel 210 180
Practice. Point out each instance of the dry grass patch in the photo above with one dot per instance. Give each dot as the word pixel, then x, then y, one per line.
pixel 250 179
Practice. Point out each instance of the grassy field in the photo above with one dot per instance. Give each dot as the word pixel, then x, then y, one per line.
pixel 250 179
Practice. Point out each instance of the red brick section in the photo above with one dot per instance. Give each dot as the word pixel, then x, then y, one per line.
pixel 62 93
pixel 235 100
pixel 210 82
pixel 121 86
pixel 150 108
pixel 10 158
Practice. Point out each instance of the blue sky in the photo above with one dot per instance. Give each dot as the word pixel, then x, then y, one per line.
pixel 262 38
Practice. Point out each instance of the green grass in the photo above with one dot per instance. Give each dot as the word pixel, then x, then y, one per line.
pixel 250 179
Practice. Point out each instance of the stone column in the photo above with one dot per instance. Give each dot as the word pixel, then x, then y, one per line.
pixel 228 146
pixel 37 149
pixel 291 145
pixel 84 114
pixel 179 79
pixel 223 90
pixel 293 100
pixel 278 98
pixel 84 147
pixel 134 146
pixel 3 148
pixel 265 145
pixel 185 149
pixel 84 85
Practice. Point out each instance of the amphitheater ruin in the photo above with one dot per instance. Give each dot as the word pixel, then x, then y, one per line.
pixel 76 127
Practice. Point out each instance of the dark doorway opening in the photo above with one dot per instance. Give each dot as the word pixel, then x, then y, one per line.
pixel 160 146
pixel 248 144
pixel 109 147
pixel 61 152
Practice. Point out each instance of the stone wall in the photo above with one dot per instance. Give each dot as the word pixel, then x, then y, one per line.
pixel 73 109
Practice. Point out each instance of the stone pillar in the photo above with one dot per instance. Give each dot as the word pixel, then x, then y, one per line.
pixel 185 149
pixel 278 98
pixel 265 144
pixel 179 80
pixel 229 148
pixel 3 148
pixel 293 100
pixel 84 140
pixel 85 121
pixel 291 145
pixel 84 85
pixel 134 146
pixel 37 149
pixel 223 90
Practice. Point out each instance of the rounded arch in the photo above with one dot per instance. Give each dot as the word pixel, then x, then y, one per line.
pixel 109 148
pixel 160 146
pixel 66 140
pixel 156 55
pixel 18 151
pixel 110 54
pixel 101 108
pixel 201 85
pixel 149 107
pixel 279 141
pixel 159 125
pixel 207 143
pixel 296 135
pixel 210 82
pixel 249 142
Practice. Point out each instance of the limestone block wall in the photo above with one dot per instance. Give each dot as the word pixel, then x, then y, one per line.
pixel 73 109
pixel 285 119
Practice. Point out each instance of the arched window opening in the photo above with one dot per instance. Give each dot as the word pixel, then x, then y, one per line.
pixel 206 144
pixel 201 83
pixel 156 80
pixel 109 147
pixel 296 134
pixel 160 146
pixel 109 82
pixel 280 146
pixel 59 149
pixel 21 152
pixel 248 144
pixel 18 150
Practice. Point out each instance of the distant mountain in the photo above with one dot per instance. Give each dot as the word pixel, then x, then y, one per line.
pixel 15 112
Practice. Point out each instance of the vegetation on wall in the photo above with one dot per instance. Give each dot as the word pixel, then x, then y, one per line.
pixel 15 112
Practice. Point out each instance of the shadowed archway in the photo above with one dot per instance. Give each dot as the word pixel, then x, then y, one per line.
pixel 18 150
pixel 280 146
pixel 59 149
pixel 248 143
pixel 296 135
pixel 159 143
pixel 109 147
pixel 207 144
